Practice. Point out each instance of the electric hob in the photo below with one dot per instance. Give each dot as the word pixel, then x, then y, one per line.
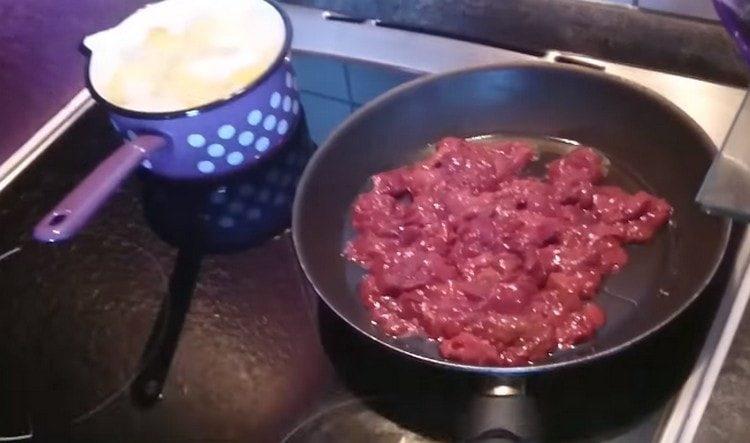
pixel 130 333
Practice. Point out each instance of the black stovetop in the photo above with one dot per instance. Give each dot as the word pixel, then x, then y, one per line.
pixel 258 357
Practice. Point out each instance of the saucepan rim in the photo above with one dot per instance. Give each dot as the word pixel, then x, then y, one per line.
pixel 240 93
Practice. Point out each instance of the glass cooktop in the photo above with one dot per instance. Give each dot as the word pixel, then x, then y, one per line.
pixel 246 353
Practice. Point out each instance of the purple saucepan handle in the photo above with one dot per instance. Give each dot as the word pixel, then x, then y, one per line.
pixel 735 15
pixel 72 214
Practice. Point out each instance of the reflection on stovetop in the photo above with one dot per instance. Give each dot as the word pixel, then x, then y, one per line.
pixel 249 354
pixel 82 320
pixel 354 419
pixel 228 214
pixel 401 400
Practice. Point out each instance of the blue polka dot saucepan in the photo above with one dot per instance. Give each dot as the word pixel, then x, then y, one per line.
pixel 234 212
pixel 207 142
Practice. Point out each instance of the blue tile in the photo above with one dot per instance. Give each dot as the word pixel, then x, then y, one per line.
pixel 323 114
pixel 321 75
pixel 367 81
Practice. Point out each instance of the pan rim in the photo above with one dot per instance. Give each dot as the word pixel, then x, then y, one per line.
pixel 317 157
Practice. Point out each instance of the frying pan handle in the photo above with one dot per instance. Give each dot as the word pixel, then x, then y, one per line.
pixel 159 351
pixel 502 412
pixel 75 210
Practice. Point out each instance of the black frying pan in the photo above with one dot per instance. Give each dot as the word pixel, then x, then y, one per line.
pixel 650 143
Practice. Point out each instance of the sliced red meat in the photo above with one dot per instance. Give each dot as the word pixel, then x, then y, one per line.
pixel 468 348
pixel 498 269
pixel 581 165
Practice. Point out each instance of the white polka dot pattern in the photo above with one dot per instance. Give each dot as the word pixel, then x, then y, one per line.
pixel 235 158
pixel 252 205
pixel 226 132
pixel 262 144
pixel 270 122
pixel 232 143
pixel 282 127
pixel 216 150
pixel 254 117
pixel 196 140
pixel 206 167
pixel 275 100
pixel 246 138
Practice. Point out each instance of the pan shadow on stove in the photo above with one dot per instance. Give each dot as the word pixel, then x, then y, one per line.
pixel 217 216
pixel 594 402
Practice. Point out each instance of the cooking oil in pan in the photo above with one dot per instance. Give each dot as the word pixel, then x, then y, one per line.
pixel 547 149
pixel 648 273
pixel 650 267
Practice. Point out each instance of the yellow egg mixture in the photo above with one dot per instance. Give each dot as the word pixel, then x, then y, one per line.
pixel 208 58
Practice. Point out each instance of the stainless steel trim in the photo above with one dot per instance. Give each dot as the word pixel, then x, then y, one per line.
pixel 17 437
pixel 686 8
pixel 44 137
pixel 713 106
pixel 724 189
pixel 690 403
pixel 406 50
